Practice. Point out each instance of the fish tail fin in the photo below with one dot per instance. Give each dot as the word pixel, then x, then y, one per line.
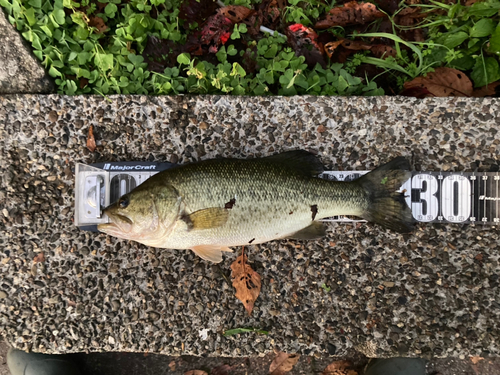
pixel 386 206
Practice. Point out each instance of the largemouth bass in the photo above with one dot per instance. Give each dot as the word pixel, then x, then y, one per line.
pixel 212 205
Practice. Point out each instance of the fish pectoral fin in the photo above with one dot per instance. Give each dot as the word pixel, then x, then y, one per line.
pixel 212 253
pixel 208 218
pixel 313 231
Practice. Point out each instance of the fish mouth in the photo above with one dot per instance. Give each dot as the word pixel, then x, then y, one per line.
pixel 119 226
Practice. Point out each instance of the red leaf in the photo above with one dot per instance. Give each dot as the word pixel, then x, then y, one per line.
pixel 216 30
pixel 304 41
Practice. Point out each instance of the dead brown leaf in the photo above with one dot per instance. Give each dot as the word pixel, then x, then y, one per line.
pixel 443 82
pixel 283 363
pixel 98 23
pixel 378 50
pixel 331 47
pixel 475 360
pixel 195 372
pixel 383 51
pixel 339 368
pixel 493 89
pixel 246 282
pixel 90 139
pixel 236 13
pixel 409 17
pixel 221 370
pixel 39 258
pixel 172 366
pixel 352 13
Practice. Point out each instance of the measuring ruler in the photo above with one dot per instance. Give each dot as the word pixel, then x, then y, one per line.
pixel 434 197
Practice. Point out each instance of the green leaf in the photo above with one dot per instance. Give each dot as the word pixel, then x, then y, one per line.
pixel 184 58
pixel 271 52
pixel 30 16
pixel 59 16
pixel 46 30
pixel 483 9
pixel 238 70
pixel 35 3
pixel 235 34
pixel 463 63
pixel 485 71
pixel 83 57
pixel 221 54
pixel 135 59
pixel 495 41
pixel 452 40
pixel 231 51
pixel 110 10
pixel 484 27
pixel 53 72
pixel 81 33
pixel 73 55
pixel 236 331
pixel 325 287
pixel 104 61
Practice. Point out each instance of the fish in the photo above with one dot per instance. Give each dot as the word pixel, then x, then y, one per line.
pixel 212 205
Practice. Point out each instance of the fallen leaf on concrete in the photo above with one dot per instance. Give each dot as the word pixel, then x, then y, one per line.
pixel 283 363
pixel 246 282
pixel 443 82
pixel 352 13
pixel 339 368
pixel 493 89
pixel 172 366
pixel 90 139
pixel 195 372
pixel 39 258
pixel 221 370
pixel 475 360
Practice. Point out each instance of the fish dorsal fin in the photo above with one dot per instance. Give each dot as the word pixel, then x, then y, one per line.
pixel 313 231
pixel 299 160
pixel 207 218
pixel 212 253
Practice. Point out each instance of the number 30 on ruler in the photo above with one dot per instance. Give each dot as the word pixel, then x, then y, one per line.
pixel 439 198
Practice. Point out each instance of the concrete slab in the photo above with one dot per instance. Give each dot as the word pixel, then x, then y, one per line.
pixel 20 71
pixel 432 293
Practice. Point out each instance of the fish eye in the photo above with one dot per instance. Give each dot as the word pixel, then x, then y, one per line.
pixel 123 202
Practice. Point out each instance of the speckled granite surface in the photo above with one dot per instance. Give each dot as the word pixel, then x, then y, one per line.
pixel 435 292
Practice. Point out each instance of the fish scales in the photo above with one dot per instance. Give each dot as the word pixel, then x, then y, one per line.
pixel 270 201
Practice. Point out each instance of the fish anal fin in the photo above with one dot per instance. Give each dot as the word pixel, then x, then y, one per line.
pixel 211 253
pixel 208 218
pixel 300 161
pixel 311 232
